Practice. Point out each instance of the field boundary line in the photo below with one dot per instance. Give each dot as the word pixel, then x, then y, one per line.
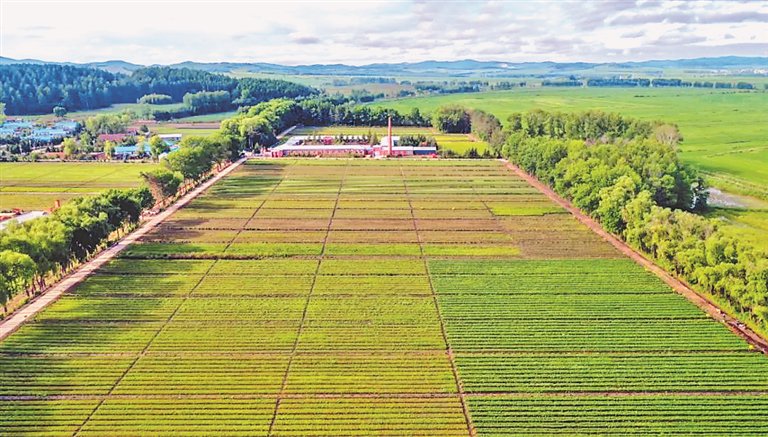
pixel 682 288
pixel 284 385
pixel 31 309
pixel 448 349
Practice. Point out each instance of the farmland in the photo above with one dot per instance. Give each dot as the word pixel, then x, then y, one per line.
pixel 354 297
pixel 34 185
pixel 724 131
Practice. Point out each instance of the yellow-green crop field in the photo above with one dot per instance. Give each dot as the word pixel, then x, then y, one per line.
pixel 37 185
pixel 387 298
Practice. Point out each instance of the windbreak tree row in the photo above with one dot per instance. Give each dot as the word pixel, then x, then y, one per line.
pixel 626 174
pixel 42 249
pixel 36 250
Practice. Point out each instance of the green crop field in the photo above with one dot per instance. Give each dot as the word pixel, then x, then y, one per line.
pixel 37 185
pixel 360 298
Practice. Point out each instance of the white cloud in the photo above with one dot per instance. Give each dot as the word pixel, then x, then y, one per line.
pixel 371 31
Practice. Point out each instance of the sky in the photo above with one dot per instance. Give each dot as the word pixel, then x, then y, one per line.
pixel 362 32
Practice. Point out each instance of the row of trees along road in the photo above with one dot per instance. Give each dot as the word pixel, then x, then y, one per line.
pixel 36 251
pixel 626 173
pixel 42 250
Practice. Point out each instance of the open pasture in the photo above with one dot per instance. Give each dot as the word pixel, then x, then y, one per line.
pixel 37 185
pixel 356 298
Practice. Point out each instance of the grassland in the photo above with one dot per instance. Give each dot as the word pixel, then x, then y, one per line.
pixel 353 298
pixel 458 143
pixel 116 108
pixel 139 108
pixel 186 130
pixel 37 185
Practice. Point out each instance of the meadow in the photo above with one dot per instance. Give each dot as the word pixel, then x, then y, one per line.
pixel 112 109
pixel 37 185
pixel 355 298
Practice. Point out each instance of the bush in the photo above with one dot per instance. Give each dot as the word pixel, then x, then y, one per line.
pixel 156 99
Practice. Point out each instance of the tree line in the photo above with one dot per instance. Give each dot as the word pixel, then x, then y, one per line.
pixel 626 173
pixel 37 89
pixel 34 252
pixel 42 249
pixel 644 83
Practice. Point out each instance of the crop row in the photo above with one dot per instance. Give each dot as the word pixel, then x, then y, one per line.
pixel 575 307
pixel 237 417
pixel 181 375
pixel 237 236
pixel 684 372
pixel 547 285
pixel 612 267
pixel 261 250
pixel 271 282
pixel 537 333
pixel 620 415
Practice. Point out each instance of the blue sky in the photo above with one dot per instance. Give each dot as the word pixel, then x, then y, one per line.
pixel 361 32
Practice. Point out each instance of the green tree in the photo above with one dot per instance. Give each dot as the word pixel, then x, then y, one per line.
pixel 70 148
pixel 157 147
pixel 451 119
pixel 667 134
pixel 163 183
pixel 195 157
pixel 613 200
pixel 59 111
pixel 109 149
pixel 17 270
pixel 86 138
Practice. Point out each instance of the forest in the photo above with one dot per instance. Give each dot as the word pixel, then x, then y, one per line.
pixel 37 89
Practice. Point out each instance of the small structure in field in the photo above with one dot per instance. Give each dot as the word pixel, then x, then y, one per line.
pixel 303 145
pixel 21 218
pixel 352 145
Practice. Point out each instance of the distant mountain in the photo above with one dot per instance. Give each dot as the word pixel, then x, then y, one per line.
pixel 463 68
pixel 116 66
pixel 110 66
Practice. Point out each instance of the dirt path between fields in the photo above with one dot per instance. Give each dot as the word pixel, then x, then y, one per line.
pixel 679 286
pixel 30 310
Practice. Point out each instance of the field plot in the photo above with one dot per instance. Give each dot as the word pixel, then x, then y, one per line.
pixel 37 185
pixel 392 298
